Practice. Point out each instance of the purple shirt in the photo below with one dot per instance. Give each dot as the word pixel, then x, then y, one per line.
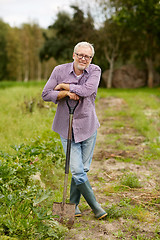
pixel 85 121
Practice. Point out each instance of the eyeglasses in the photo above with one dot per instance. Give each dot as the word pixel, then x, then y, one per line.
pixel 81 56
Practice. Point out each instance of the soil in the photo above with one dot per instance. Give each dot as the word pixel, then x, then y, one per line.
pixel 107 169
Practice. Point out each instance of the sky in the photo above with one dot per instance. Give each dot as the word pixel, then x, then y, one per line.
pixel 42 12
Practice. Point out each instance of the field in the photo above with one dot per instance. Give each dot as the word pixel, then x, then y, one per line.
pixel 124 172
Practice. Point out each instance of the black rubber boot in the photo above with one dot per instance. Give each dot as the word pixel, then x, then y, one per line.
pixel 87 192
pixel 75 195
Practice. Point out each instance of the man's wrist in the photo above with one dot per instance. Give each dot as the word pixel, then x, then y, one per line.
pixel 65 86
pixel 62 94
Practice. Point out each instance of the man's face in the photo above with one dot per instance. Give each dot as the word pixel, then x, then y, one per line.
pixel 82 58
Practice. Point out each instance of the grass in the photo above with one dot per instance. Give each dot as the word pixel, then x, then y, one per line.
pixel 25 124
pixel 19 125
pixel 137 109
pixel 127 210
pixel 130 180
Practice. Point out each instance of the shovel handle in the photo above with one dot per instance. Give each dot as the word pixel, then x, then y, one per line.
pixel 71 107
pixel 71 112
pixel 68 152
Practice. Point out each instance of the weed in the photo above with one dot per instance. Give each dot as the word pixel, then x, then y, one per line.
pixel 130 180
pixel 114 212
pixel 119 235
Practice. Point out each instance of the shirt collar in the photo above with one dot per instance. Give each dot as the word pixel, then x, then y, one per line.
pixel 71 69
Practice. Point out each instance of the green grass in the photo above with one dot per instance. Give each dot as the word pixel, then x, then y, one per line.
pixel 25 124
pixel 131 180
pixel 141 111
pixel 126 209
pixel 19 125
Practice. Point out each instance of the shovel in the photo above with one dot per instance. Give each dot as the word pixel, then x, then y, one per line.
pixel 65 212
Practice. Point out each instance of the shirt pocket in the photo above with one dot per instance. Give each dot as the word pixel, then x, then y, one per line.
pixel 84 108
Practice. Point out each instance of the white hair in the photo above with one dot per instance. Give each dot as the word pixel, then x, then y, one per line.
pixel 84 44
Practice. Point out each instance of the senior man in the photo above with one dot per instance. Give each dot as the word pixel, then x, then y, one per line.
pixel 79 80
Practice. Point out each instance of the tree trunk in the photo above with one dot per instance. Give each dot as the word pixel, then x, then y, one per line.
pixel 26 76
pixel 109 82
pixel 39 71
pixel 150 69
pixel 26 66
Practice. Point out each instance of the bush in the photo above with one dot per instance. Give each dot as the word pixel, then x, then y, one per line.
pixel 21 214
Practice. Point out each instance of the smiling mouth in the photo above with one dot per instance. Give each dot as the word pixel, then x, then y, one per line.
pixel 81 63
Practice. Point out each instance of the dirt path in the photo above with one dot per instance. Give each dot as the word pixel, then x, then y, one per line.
pixel 134 212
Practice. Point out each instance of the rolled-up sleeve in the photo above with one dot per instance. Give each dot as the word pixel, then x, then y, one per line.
pixel 49 94
pixel 90 86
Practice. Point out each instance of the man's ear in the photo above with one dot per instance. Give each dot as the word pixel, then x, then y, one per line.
pixel 73 55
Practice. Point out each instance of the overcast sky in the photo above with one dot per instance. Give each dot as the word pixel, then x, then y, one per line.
pixel 43 12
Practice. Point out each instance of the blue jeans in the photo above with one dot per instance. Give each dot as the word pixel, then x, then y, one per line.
pixel 81 157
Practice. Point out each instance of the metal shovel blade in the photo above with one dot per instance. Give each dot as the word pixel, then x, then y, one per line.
pixel 64 212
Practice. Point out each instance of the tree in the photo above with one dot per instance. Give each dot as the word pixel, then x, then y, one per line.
pixel 31 42
pixel 13 49
pixel 109 42
pixel 19 53
pixel 142 19
pixel 66 32
pixel 57 41
pixel 3 54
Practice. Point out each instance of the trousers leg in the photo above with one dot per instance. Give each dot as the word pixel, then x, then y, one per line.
pixel 81 157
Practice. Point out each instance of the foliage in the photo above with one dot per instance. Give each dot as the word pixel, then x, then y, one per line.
pixel 41 148
pixel 3 54
pixel 60 44
pixel 111 37
pixel 19 51
pixel 142 19
pixel 127 33
pixel 22 214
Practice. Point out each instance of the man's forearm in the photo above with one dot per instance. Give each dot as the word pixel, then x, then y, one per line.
pixel 61 86
pixel 62 94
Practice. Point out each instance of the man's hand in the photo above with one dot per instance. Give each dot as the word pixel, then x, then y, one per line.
pixel 62 86
pixel 73 96
pixel 64 93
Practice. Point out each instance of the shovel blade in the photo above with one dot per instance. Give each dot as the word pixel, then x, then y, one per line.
pixel 64 212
